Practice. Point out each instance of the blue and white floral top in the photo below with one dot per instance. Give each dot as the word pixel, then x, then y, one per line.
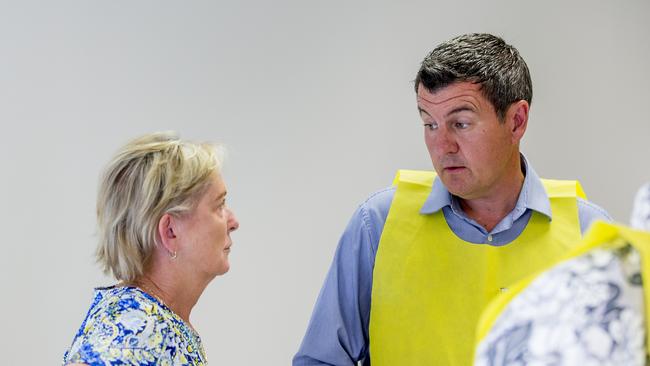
pixel 126 326
pixel 641 211
pixel 587 311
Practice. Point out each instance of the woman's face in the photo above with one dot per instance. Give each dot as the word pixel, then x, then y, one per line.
pixel 206 231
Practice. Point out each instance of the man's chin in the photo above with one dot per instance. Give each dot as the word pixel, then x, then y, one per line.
pixel 455 184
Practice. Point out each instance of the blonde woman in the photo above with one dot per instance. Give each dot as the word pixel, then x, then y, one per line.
pixel 164 234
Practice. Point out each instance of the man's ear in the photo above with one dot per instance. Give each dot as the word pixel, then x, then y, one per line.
pixel 167 230
pixel 517 115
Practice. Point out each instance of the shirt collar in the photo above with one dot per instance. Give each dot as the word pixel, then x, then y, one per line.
pixel 533 195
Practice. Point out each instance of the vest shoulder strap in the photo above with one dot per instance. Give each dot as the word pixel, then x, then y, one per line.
pixel 554 188
pixel 419 177
pixel 563 188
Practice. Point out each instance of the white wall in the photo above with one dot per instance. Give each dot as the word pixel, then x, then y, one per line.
pixel 314 100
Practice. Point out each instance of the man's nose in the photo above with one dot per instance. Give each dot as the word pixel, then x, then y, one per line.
pixel 444 142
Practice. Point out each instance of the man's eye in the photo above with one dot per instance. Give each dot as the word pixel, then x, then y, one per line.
pixel 461 125
pixel 431 126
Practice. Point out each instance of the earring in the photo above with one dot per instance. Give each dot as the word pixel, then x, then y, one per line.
pixel 173 255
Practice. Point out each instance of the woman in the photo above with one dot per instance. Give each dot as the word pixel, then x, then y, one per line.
pixel 164 234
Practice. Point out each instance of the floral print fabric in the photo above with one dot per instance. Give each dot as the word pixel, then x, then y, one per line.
pixel 126 326
pixel 641 212
pixel 585 311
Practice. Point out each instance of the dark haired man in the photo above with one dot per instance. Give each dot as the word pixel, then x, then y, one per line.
pixel 419 261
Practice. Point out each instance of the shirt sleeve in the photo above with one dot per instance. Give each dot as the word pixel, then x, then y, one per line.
pixel 589 212
pixel 338 330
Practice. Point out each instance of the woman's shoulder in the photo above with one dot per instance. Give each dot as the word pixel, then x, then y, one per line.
pixel 123 324
pixel 122 305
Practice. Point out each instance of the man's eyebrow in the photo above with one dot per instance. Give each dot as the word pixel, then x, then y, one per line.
pixel 423 111
pixel 464 108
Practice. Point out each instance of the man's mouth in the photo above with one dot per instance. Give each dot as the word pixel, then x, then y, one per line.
pixel 453 168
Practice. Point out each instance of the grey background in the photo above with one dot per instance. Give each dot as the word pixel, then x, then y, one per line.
pixel 314 101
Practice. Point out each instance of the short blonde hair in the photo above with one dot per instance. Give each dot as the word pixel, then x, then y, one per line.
pixel 150 176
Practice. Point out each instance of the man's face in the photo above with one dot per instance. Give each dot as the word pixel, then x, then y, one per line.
pixel 474 153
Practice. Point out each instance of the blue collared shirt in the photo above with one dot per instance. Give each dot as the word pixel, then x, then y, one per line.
pixel 338 330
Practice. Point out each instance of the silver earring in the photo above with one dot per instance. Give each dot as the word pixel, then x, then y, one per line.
pixel 173 255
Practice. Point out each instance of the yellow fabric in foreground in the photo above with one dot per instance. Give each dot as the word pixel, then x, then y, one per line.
pixel 430 287
pixel 600 235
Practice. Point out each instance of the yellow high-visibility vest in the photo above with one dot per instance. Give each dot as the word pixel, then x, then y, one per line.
pixel 430 286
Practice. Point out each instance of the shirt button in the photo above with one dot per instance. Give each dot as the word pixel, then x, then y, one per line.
pixel 489 238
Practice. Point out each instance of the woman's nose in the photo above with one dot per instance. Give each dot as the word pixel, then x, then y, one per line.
pixel 233 223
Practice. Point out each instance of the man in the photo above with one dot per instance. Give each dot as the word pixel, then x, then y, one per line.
pixel 419 261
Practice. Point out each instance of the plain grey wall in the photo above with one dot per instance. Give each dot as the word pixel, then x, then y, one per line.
pixel 314 100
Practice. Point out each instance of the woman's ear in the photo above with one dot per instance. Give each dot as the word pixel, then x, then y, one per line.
pixel 167 229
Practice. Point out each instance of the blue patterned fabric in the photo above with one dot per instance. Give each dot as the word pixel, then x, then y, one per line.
pixel 126 326
pixel 587 311
pixel 641 212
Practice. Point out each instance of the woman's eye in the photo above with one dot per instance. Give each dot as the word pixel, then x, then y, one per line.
pixel 461 125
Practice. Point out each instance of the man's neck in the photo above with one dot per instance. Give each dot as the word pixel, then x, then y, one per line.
pixel 488 211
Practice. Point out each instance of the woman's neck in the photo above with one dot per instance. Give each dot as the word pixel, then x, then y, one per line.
pixel 178 296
